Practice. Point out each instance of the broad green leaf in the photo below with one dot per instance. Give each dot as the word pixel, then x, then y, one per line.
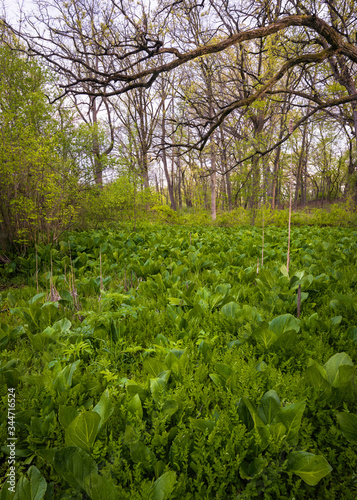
pixel 348 424
pixel 223 288
pixel 165 376
pixel 258 422
pixel 317 377
pixel 132 435
pixel 284 323
pixel 234 343
pixel 216 379
pixel 164 486
pixel 38 483
pixel 160 339
pixel 104 408
pixel 5 493
pixel 344 376
pixel 216 300
pixel 352 333
pixel 100 488
pixel 135 407
pixel 203 424
pixel 334 363
pixel 133 388
pixel 66 297
pixel 159 468
pixel 158 389
pixel 32 489
pixel 224 371
pixel 51 308
pixel 66 415
pixel 12 377
pixel 171 312
pixel 251 314
pixel 311 468
pixel 140 453
pixel 35 298
pixel 169 407
pixel 307 281
pixel 174 301
pixel 230 310
pixel 249 470
pixel 206 350
pixel 153 366
pixel 63 380
pixel 264 336
pixel 261 366
pixel 269 406
pixel 286 340
pixel 291 417
pixel 244 415
pixel 284 271
pixel 19 453
pixel 83 430
pixel 170 360
pixel 23 489
pixel 74 465
pixel 277 431
pixel 62 326
pixel 267 278
pixel 313 321
pixel 183 358
pixel 336 320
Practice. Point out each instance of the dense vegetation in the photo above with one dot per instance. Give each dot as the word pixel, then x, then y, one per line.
pixel 178 308
pixel 109 109
pixel 166 363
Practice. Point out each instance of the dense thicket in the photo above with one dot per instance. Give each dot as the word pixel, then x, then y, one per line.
pixel 37 184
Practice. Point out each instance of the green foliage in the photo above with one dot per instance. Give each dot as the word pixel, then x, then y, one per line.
pixel 37 191
pixel 333 381
pixel 309 467
pixel 117 201
pixel 182 372
pixel 335 215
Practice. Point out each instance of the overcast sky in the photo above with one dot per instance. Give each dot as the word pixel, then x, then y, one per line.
pixel 13 8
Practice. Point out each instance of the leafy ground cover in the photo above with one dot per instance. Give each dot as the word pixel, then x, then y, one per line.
pixel 170 363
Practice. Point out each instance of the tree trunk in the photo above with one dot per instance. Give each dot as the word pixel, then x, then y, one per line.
pixel 98 167
pixel 179 181
pixel 227 177
pixel 145 165
pixel 164 157
pixel 213 173
pixel 213 177
pixel 301 164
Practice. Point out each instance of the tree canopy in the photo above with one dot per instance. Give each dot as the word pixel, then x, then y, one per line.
pixel 193 89
pixel 108 48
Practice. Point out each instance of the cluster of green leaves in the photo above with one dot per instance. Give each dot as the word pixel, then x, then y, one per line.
pixel 164 363
pixel 37 192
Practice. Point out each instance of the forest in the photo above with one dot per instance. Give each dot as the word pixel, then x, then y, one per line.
pixel 121 110
pixel 178 239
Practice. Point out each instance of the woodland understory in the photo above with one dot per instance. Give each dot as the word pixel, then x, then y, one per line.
pixel 121 111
